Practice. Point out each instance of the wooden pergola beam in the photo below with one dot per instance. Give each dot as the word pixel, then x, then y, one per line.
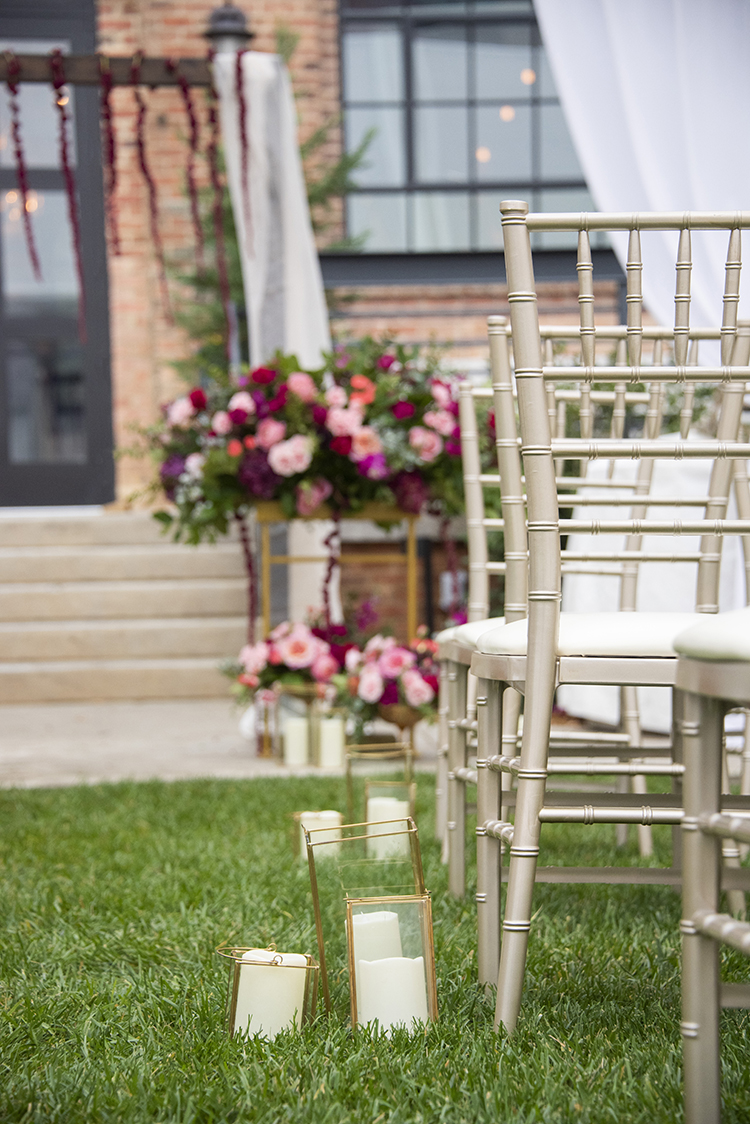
pixel 85 70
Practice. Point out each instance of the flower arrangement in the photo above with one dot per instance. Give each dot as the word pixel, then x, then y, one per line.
pixel 384 673
pixel 376 423
pixel 292 657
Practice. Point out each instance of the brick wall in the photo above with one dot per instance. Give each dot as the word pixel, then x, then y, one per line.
pixel 145 340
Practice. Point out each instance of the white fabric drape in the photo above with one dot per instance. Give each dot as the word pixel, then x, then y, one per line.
pixel 286 306
pixel 656 95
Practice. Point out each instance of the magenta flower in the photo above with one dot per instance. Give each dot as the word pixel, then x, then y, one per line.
pixel 198 398
pixel 390 694
pixel 402 410
pixel 386 361
pixel 257 477
pixel 373 467
pixel 319 414
pixel 263 375
pixel 411 492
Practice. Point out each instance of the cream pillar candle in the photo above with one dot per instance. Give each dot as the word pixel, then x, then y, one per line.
pixel 389 846
pixel 375 936
pixel 330 821
pixel 393 991
pixel 332 742
pixel 270 996
pixel 296 739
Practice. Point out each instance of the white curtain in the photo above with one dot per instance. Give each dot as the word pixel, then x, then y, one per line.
pixel 284 295
pixel 656 94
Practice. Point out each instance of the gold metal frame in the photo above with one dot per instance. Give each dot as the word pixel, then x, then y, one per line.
pixel 270 512
pixel 375 751
pixel 417 874
pixel 411 787
pixel 428 944
pixel 235 954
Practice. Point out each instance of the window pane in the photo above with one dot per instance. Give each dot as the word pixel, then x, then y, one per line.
pixel 559 159
pixel 440 63
pixel 440 144
pixel 373 63
pixel 383 164
pixel 441 220
pixel 381 217
pixel 57 292
pixel 546 84
pixel 489 226
pixel 503 150
pixel 45 399
pixel 503 61
pixel 38 112
pixel 566 200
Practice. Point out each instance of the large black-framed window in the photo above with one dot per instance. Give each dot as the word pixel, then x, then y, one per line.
pixel 55 396
pixel 461 106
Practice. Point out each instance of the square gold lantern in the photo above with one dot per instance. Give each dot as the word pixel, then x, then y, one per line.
pixel 391 959
pixel 269 991
pixel 376 750
pixel 367 861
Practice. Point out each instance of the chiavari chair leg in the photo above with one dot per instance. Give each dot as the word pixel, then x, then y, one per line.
pixel 490 720
pixel 456 833
pixel 441 780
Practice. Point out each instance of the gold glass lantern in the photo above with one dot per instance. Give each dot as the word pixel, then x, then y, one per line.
pixel 376 749
pixel 386 801
pixel 361 863
pixel 391 958
pixel 326 822
pixel 269 991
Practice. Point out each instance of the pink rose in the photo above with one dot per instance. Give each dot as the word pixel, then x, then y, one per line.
pixel 395 660
pixel 441 393
pixel 324 667
pixel 300 648
pixel 352 660
pixel 417 690
pixel 441 420
pixel 242 401
pixel 280 631
pixel 270 432
pixel 426 443
pixel 371 683
pixel 221 423
pixel 344 423
pixel 311 494
pixel 292 456
pixel 254 657
pixel 303 386
pixel 365 443
pixel 378 644
pixel 194 465
pixel 336 396
pixel 180 411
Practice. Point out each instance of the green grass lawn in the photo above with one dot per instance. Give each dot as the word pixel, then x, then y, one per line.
pixel 113 899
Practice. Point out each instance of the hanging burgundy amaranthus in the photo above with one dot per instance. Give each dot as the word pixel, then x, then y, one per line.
pixel 57 73
pixel 153 207
pixel 193 150
pixel 110 152
pixel 244 145
pixel 218 201
pixel 14 73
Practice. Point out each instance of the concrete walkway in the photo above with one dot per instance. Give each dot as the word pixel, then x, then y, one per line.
pixel 53 744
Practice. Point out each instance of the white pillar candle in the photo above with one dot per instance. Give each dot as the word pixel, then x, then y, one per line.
pixel 375 936
pixel 385 845
pixel 329 823
pixel 270 996
pixel 296 738
pixel 332 742
pixel 393 991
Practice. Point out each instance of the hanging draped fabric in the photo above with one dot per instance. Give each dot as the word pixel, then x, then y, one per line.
pixel 656 94
pixel 284 294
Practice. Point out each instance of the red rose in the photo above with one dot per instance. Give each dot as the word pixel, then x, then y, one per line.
pixel 319 414
pixel 198 398
pixel 402 409
pixel 262 375
pixel 342 445
pixel 239 417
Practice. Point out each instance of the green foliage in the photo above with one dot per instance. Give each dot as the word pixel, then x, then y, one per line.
pixel 114 897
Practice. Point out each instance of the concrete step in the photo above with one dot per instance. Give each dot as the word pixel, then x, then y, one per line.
pixel 161 638
pixel 92 680
pixel 199 597
pixel 116 563
pixel 95 528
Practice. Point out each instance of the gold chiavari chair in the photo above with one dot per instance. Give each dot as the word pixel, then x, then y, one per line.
pixel 622 648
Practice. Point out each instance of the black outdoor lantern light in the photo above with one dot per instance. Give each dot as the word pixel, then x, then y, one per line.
pixel 227 29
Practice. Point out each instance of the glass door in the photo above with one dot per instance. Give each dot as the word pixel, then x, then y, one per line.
pixel 55 399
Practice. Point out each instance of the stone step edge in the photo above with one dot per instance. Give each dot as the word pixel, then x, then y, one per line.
pixel 99 624
pixel 165 663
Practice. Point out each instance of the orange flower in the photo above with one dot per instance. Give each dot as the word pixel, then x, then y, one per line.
pixel 365 389
pixel 234 447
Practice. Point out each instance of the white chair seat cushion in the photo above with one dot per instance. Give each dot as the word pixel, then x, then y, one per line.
pixel 467 635
pixel 446 634
pixel 598 634
pixel 725 636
